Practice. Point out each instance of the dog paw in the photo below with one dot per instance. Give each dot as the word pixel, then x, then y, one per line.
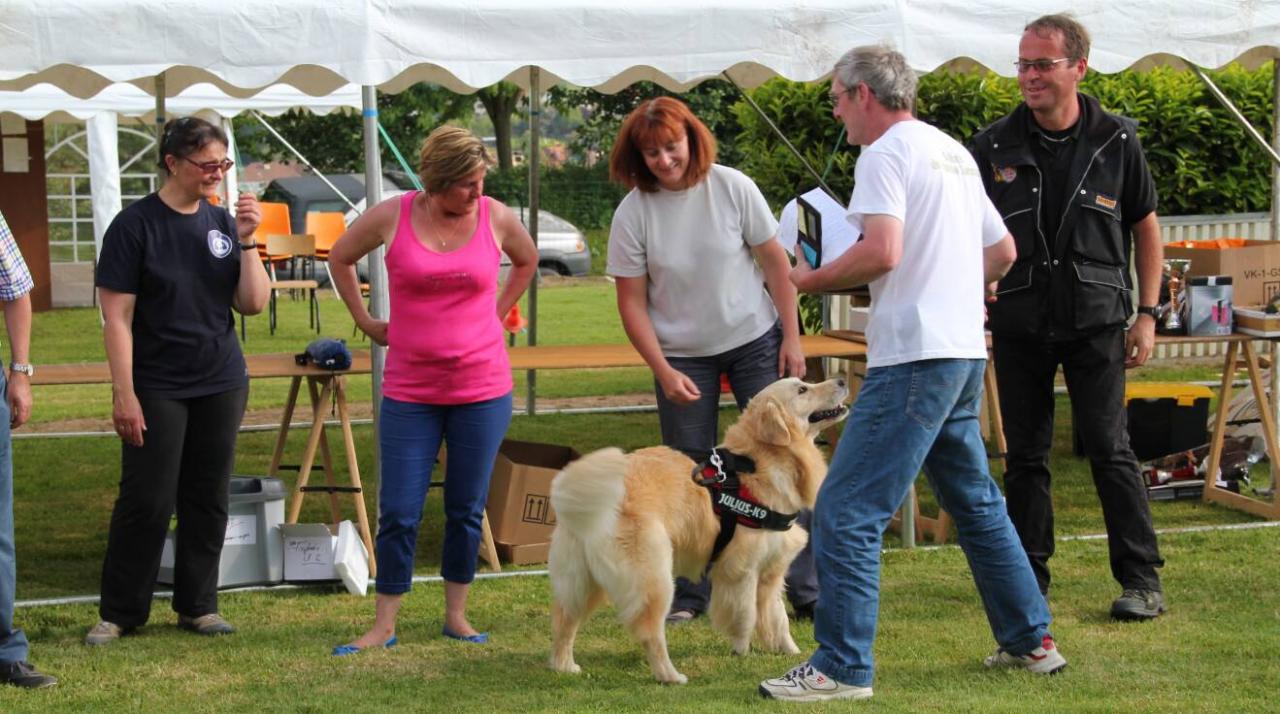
pixel 741 648
pixel 566 667
pixel 676 679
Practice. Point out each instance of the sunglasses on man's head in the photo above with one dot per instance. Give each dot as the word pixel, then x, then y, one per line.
pixel 211 166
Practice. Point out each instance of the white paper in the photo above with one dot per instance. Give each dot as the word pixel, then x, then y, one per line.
pixel 241 530
pixel 12 124
pixel 308 551
pixel 837 233
pixel 16 160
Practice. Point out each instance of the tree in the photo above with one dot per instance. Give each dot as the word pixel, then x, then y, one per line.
pixel 602 114
pixel 500 102
pixel 334 143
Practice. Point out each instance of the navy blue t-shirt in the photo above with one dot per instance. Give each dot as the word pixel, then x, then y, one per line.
pixel 184 270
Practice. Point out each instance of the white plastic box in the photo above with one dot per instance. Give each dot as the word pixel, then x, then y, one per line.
pixel 251 550
pixel 315 552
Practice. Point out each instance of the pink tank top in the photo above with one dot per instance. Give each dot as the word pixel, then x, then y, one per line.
pixel 444 340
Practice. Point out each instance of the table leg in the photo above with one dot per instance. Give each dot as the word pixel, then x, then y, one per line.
pixel 362 516
pixel 309 456
pixel 285 421
pixel 1220 422
pixel 326 456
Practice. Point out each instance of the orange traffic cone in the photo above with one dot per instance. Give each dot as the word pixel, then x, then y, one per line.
pixel 513 322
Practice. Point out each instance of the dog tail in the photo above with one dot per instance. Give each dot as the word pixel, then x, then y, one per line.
pixel 587 493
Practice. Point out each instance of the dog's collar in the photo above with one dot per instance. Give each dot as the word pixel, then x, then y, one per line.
pixel 732 501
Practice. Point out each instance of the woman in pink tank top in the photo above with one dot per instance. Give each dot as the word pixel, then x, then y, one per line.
pixel 447 378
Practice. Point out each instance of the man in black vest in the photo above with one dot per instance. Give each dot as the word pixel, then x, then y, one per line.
pixel 1074 189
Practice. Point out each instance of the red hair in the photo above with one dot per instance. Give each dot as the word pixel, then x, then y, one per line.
pixel 655 122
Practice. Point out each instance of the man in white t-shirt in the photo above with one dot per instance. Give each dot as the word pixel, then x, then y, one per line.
pixel 931 241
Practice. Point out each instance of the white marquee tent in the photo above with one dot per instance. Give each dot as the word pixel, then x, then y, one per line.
pixel 242 45
pixel 102 111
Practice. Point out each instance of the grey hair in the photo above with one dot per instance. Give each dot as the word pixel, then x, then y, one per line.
pixel 885 72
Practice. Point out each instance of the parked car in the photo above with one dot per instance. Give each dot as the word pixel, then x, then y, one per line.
pixel 562 248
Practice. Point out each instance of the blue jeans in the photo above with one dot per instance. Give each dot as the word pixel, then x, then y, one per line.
pixel 13 643
pixel 907 416
pixel 750 367
pixel 410 435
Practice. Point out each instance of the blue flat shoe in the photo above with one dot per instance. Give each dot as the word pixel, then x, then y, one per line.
pixel 344 650
pixel 480 639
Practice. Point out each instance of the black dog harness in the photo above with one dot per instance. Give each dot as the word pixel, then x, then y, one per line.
pixel 717 471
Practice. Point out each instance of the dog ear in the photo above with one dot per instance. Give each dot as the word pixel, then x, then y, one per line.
pixel 772 426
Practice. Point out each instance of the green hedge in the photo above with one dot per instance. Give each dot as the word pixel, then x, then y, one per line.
pixel 584 196
pixel 1202 161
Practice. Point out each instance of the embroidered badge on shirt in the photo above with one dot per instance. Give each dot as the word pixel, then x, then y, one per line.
pixel 1004 174
pixel 219 244
pixel 1106 202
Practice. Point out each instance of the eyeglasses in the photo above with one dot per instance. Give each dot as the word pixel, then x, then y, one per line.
pixel 835 96
pixel 211 166
pixel 1040 65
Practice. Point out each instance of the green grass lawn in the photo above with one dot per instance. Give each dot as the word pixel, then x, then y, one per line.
pixel 1211 652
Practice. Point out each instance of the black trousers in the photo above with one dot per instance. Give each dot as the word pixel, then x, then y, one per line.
pixel 183 465
pixel 1094 370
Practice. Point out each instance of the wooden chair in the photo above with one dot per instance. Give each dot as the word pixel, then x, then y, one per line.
pixel 326 227
pixel 299 248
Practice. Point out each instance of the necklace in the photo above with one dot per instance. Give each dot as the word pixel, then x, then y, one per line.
pixel 439 237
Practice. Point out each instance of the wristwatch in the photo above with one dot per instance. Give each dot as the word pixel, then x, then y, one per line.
pixel 22 368
pixel 248 246
pixel 1151 310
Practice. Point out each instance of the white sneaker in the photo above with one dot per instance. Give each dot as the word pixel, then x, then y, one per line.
pixel 806 684
pixel 1044 659
pixel 103 633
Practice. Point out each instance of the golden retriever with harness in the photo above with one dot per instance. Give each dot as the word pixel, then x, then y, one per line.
pixel 626 523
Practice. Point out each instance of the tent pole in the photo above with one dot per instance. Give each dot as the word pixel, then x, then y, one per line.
pixel 379 306
pixel 785 141
pixel 160 117
pixel 535 160
pixel 1275 142
pixel 1235 112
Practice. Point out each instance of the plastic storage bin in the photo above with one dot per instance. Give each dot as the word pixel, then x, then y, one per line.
pixel 253 549
pixel 1165 418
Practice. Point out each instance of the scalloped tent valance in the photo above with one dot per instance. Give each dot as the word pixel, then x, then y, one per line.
pixel 82 46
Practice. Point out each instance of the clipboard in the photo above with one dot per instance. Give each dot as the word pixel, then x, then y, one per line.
pixel 809 232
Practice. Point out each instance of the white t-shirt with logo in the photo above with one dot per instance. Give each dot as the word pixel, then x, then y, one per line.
pixel 930 305
pixel 706 293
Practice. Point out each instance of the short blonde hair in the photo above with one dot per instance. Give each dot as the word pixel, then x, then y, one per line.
pixel 449 154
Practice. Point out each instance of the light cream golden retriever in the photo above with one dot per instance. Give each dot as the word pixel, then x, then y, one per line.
pixel 625 523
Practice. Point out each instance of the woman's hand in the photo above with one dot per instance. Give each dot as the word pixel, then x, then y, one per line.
pixel 678 388
pixel 376 330
pixel 248 215
pixel 791 358
pixel 126 415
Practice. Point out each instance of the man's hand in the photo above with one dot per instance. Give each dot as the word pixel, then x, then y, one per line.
pixel 800 275
pixel 248 215
pixel 1139 341
pixel 19 399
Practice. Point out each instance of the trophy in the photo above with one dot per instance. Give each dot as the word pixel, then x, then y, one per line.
pixel 1176 270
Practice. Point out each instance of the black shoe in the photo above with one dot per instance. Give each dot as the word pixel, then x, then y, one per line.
pixel 22 674
pixel 803 612
pixel 1134 604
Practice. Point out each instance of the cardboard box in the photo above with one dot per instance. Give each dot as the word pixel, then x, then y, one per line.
pixel 1253 320
pixel 525 553
pixel 1209 305
pixel 316 551
pixel 519 505
pixel 1254 267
